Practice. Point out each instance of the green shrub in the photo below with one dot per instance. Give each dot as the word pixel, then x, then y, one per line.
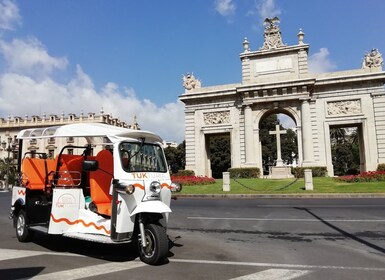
pixel 317 171
pixel 184 173
pixel 381 167
pixel 246 172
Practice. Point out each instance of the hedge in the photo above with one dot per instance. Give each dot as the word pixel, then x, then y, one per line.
pixel 381 167
pixel 184 173
pixel 317 171
pixel 246 172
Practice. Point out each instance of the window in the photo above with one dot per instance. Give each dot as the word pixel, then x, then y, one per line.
pixel 136 157
pixel 70 151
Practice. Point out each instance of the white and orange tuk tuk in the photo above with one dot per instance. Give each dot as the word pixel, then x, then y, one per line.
pixel 120 194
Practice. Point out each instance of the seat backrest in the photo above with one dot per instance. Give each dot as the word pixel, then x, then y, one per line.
pixel 100 180
pixel 36 172
pixel 69 170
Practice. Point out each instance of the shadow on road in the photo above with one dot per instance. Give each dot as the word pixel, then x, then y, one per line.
pixel 110 252
pixel 20 273
pixel 343 232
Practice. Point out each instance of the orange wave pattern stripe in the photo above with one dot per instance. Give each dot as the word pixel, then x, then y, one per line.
pixel 137 185
pixel 165 185
pixel 80 222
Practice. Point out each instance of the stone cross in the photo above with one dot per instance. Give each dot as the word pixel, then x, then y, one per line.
pixel 278 133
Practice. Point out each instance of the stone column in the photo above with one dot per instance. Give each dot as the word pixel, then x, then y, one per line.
pixel 307 137
pixel 249 151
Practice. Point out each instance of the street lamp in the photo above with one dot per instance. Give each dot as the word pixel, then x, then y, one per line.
pixel 8 149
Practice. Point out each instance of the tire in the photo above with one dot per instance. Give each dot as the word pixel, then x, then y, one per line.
pixel 23 234
pixel 157 245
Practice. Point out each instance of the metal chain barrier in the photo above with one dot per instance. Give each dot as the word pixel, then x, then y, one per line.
pixel 254 190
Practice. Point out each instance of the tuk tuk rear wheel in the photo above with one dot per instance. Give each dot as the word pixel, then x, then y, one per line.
pixel 157 244
pixel 23 234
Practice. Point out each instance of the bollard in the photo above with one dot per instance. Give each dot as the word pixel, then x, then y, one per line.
pixel 308 180
pixel 226 181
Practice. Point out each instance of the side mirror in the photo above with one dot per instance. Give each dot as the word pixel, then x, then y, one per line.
pixel 90 165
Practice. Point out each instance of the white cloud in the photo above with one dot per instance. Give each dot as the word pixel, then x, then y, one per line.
pixel 225 7
pixel 21 94
pixel 27 87
pixel 320 62
pixel 9 15
pixel 267 9
pixel 30 57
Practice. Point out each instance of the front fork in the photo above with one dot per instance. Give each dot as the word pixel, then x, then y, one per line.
pixel 142 232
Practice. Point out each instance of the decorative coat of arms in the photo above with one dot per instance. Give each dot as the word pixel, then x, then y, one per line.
pixel 190 82
pixel 272 34
pixel 372 59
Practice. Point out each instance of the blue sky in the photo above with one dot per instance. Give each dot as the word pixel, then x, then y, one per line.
pixel 129 56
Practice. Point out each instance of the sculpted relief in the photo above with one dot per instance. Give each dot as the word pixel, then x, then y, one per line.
pixel 272 34
pixel 347 107
pixel 216 117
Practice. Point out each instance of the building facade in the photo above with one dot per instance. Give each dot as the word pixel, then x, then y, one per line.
pixel 10 127
pixel 275 79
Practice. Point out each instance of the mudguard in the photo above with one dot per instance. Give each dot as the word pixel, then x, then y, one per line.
pixel 156 206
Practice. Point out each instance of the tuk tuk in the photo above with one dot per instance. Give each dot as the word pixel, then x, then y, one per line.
pixel 119 195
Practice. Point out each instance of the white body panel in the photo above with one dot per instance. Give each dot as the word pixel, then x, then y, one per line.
pixel 70 215
pixel 18 193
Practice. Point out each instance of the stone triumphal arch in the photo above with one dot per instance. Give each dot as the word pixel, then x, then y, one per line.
pixel 275 79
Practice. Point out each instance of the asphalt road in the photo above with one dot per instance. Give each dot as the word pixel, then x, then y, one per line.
pixel 222 239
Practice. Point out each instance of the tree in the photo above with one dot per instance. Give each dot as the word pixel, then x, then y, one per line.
pixel 268 142
pixel 176 157
pixel 345 151
pixel 289 146
pixel 220 155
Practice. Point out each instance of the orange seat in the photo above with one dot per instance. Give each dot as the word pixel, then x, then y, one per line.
pixel 37 172
pixel 100 182
pixel 69 170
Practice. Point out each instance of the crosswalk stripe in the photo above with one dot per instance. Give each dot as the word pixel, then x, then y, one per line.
pixel 89 271
pixel 9 254
pixel 274 274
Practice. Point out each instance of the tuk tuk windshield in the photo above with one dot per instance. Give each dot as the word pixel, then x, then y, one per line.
pixel 136 157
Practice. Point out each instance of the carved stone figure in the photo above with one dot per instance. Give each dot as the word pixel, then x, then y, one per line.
pixel 372 59
pixel 272 34
pixel 344 107
pixel 216 117
pixel 190 82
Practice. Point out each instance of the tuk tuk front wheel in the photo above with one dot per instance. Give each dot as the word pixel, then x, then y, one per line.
pixel 157 244
pixel 22 232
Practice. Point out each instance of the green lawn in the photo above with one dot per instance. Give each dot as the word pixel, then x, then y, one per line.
pixel 285 186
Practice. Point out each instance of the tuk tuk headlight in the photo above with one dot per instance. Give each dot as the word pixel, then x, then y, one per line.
pixel 130 189
pixel 125 188
pixel 155 187
pixel 176 187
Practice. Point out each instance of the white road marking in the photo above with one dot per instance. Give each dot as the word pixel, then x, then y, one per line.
pixel 274 274
pixel 279 265
pixel 89 271
pixel 110 267
pixel 8 254
pixel 287 220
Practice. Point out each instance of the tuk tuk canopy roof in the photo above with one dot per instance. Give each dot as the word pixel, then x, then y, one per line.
pixel 87 130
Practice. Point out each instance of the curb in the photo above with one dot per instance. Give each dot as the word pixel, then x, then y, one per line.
pixel 288 196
